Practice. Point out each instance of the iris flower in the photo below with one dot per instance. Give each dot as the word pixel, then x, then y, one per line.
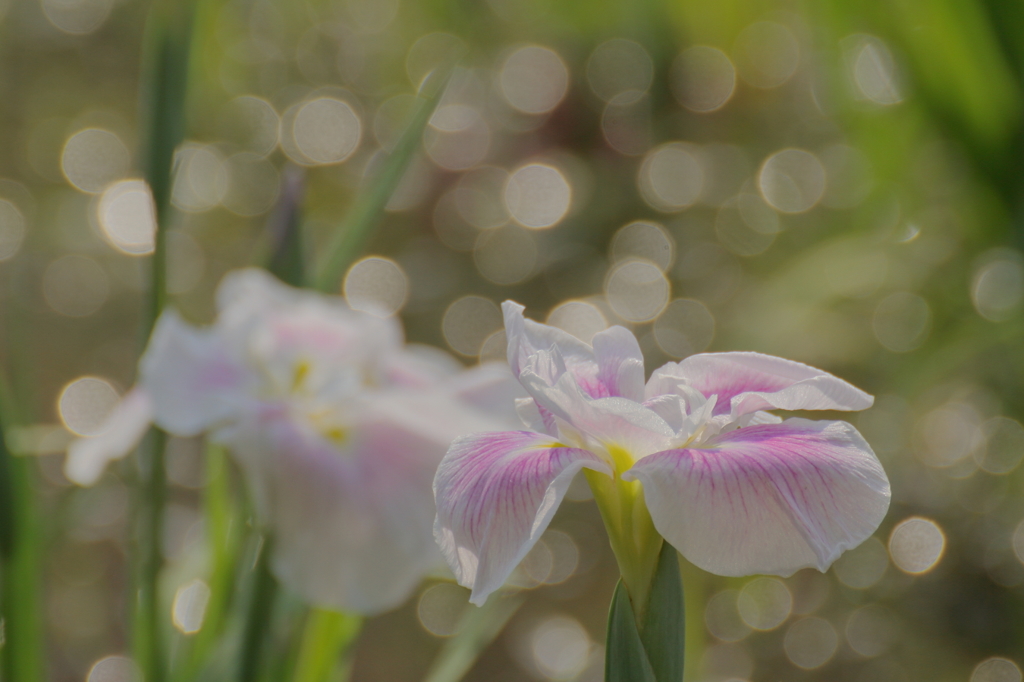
pixel 337 426
pixel 693 457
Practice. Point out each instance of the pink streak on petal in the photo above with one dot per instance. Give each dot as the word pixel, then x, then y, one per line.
pixel 496 494
pixel 772 498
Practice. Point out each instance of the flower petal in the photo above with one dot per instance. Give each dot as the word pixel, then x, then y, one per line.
pixel 352 516
pixel 526 338
pixel 121 432
pixel 771 499
pixel 491 389
pixel 496 494
pixel 620 363
pixel 191 378
pixel 748 382
pixel 291 332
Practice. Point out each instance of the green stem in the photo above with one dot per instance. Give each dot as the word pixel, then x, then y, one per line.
pixel 257 622
pixel 19 590
pixel 223 546
pixel 695 585
pixel 326 639
pixel 166 44
pixel 149 650
pixel 631 533
pixel 370 202
pixel 478 627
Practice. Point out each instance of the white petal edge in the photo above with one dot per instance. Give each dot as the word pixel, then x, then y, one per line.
pixel 120 433
pixel 772 499
pixel 496 494
pixel 748 382
pixel 192 379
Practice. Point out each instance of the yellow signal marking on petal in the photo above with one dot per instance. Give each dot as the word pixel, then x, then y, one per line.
pixel 302 369
pixel 336 434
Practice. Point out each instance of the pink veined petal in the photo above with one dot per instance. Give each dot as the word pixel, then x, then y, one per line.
pixel 773 498
pixel 748 382
pixel 620 364
pixel 496 494
pixel 190 377
pixel 121 432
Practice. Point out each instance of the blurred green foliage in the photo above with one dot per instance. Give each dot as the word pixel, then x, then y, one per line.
pixel 903 275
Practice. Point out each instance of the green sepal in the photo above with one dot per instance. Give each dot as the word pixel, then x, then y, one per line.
pixel 625 659
pixel 664 629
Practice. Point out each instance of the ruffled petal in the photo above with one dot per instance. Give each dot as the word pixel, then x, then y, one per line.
pixel 303 338
pixel 193 381
pixel 526 338
pixel 748 382
pixel 120 433
pixel 351 515
pixel 496 494
pixel 620 364
pixel 770 499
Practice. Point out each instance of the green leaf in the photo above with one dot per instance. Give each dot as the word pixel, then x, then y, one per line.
pixel 258 618
pixel 326 641
pixel 370 201
pixel 664 628
pixel 477 629
pixel 625 659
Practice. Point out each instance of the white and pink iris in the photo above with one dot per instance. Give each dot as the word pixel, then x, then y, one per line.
pixel 692 456
pixel 337 426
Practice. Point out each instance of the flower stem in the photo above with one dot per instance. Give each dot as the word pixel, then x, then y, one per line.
pixel 223 545
pixel 166 44
pixel 327 637
pixel 477 629
pixel 149 649
pixel 634 540
pixel 257 622
pixel 19 590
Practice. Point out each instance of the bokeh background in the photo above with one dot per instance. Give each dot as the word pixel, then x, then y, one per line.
pixel 835 182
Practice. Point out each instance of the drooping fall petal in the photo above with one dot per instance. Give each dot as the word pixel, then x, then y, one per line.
pixel 748 382
pixel 351 511
pixel 773 498
pixel 496 494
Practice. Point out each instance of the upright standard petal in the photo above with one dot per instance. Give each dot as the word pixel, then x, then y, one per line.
pixel 496 494
pixel 192 380
pixel 526 338
pixel 773 498
pixel 620 364
pixel 121 431
pixel 300 338
pixel 748 382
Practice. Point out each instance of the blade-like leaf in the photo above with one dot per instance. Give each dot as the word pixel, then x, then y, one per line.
pixel 624 658
pixel 664 629
pixel 326 641
pixel 477 629
pixel 370 202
